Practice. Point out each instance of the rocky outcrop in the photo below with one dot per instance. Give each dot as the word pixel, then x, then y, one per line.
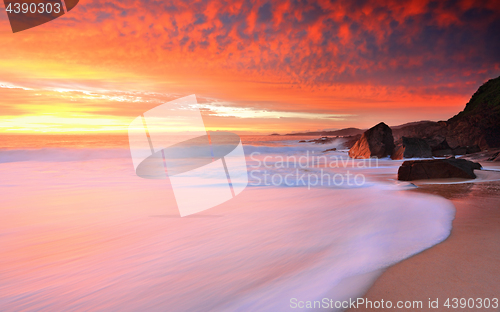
pixel 421 129
pixel 473 149
pixel 399 152
pixel 338 133
pixel 443 150
pixel 375 142
pixel 416 148
pixel 437 142
pixel 495 157
pixel 322 140
pixel 489 155
pixel 437 169
pixel 351 140
pixel 477 125
pixel 439 146
pixel 459 150
pixel 330 150
pixel 443 153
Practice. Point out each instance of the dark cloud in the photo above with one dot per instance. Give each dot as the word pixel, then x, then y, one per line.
pixel 265 13
pixel 200 19
pixel 398 42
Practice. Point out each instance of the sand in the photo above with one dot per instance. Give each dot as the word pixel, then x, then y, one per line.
pixel 466 265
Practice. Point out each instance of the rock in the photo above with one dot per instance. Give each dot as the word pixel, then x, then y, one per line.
pixel 473 149
pixel 322 140
pixel 460 150
pixel 338 133
pixel 416 148
pixel 438 143
pixel 375 142
pixel 399 151
pixel 302 141
pixel 351 140
pixel 486 155
pixel 421 129
pixel 442 153
pixel 330 150
pixel 477 125
pixel 439 146
pixel 412 148
pixel 495 157
pixel 437 169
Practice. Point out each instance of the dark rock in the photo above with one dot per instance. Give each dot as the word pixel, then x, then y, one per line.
pixel 478 124
pixel 415 147
pixel 473 149
pixel 442 153
pixel 486 155
pixel 351 140
pixel 437 169
pixel 322 140
pixel 330 150
pixel 495 157
pixel 302 141
pixel 398 153
pixel 422 129
pixel 375 142
pixel 437 143
pixel 412 148
pixel 460 150
pixel 439 146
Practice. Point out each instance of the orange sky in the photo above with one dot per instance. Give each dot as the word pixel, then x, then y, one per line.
pixel 256 66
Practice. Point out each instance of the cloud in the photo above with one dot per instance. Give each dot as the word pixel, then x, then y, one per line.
pixel 298 41
pixel 336 57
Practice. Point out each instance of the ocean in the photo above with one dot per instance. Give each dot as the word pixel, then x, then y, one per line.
pixel 80 231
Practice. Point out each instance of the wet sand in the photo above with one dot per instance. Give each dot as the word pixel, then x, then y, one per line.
pixel 466 265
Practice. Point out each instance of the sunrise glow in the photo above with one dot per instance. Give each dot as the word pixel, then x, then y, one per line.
pixel 257 67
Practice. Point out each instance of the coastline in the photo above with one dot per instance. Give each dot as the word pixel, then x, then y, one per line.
pixel 313 238
pixel 465 265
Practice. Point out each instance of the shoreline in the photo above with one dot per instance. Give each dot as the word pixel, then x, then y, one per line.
pixel 465 265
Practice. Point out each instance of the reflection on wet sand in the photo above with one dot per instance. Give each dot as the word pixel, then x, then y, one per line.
pixel 465 265
pixel 462 190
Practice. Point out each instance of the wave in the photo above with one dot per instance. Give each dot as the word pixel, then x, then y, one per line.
pixel 107 240
pixel 61 154
pixel 291 148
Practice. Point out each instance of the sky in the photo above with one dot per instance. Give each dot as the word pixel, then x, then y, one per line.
pixel 255 66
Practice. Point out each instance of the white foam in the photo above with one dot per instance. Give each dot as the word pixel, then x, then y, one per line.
pixel 61 154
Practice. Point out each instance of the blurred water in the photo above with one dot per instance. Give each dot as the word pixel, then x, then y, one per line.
pixel 81 232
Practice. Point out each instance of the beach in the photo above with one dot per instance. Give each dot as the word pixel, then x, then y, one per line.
pixel 465 265
pixel 249 156
pixel 82 232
